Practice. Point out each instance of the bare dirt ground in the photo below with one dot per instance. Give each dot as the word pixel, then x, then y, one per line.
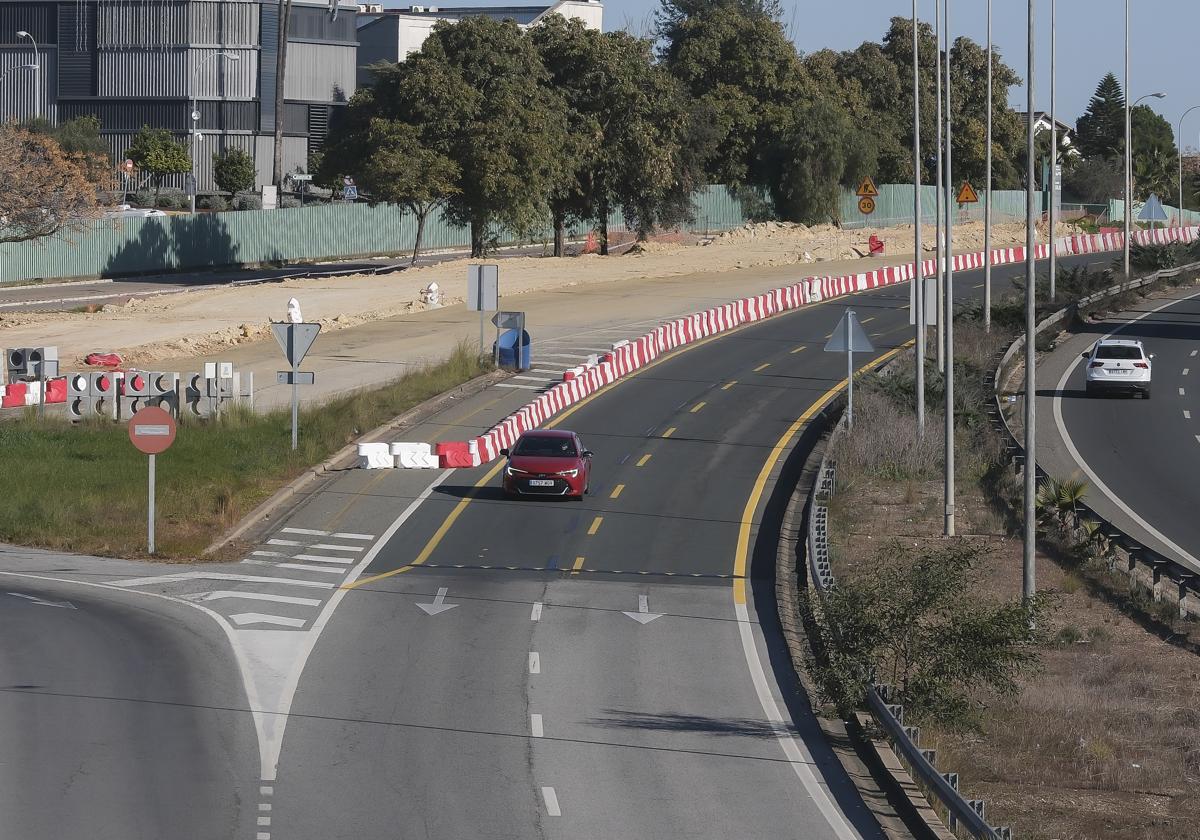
pixel 1104 742
pixel 208 321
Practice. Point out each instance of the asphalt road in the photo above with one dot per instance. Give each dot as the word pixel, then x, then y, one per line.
pixel 497 668
pixel 122 719
pixel 1141 457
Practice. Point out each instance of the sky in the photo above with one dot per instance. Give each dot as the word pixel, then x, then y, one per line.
pixel 1090 43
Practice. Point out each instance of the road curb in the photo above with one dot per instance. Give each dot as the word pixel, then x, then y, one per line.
pixel 283 500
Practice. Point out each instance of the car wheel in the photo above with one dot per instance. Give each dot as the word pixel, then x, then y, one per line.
pixel 1146 394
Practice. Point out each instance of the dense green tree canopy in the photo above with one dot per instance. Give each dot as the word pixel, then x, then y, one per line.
pixel 1101 128
pixel 157 152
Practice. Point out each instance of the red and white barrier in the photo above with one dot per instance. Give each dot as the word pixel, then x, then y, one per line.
pixel 630 355
pixel 22 394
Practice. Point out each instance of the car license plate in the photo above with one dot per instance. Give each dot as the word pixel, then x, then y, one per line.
pixel 541 482
pixel 1122 372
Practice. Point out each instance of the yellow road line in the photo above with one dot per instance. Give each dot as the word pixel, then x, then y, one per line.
pixel 762 367
pixel 440 534
pixel 669 432
pixel 578 565
pixel 698 406
pixel 800 348
pixel 595 526
pixel 728 385
pixel 742 553
pixel 869 320
pixel 616 491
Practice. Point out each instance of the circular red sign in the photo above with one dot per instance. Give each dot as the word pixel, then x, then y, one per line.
pixel 152 430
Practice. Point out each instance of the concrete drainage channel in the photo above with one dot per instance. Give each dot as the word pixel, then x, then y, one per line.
pixel 1162 576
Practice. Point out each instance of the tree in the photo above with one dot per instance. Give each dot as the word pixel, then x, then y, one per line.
pixel 1095 180
pixel 1101 129
pixel 233 170
pixel 401 169
pixel 42 190
pixel 157 152
pixel 915 622
pixel 816 154
pixel 479 93
pixel 80 140
pixel 735 57
pixel 627 123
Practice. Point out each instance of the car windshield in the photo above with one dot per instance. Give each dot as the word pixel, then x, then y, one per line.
pixel 546 447
pixel 1118 352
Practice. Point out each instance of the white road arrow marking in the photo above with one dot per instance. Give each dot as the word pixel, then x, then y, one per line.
pixel 438 605
pixel 64 605
pixel 643 615
pixel 242 619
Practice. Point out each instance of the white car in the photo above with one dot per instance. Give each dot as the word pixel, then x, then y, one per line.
pixel 1118 365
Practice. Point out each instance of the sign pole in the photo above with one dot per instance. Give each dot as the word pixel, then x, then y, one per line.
pixel 295 388
pixel 150 509
pixel 849 370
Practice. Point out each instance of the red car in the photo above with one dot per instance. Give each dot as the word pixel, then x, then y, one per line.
pixel 547 463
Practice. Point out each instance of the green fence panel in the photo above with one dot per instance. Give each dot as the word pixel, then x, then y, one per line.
pixel 894 206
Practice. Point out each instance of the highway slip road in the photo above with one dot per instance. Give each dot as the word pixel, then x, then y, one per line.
pixel 422 658
pixel 1141 458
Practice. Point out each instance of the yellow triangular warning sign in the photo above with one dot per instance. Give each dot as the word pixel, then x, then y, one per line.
pixel 967 194
pixel 866 188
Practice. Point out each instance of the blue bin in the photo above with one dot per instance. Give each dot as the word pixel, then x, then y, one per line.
pixel 514 352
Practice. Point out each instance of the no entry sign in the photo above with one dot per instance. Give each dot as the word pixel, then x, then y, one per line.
pixel 152 430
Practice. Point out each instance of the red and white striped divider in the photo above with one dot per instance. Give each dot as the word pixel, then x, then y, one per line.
pixel 628 356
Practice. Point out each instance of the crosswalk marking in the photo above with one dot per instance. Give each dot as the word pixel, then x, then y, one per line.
pixel 242 619
pixel 318 559
pixel 180 576
pixel 284 542
pixel 329 547
pixel 348 536
pixel 225 594
pixel 304 568
pixel 309 531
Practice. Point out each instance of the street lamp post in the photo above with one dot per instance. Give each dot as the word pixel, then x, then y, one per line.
pixel 1129 150
pixel 194 116
pixel 948 313
pixel 1179 144
pixel 987 189
pixel 36 67
pixel 938 250
pixel 1053 140
pixel 918 279
pixel 1029 546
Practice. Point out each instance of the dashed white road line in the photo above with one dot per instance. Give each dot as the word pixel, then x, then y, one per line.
pixel 146 581
pixel 223 594
pixel 535 663
pixel 1193 353
pixel 1197 438
pixel 1185 371
pixel 551 798
pixel 242 619
pixel 317 558
pixel 536 613
pixel 325 570
pixel 1181 392
pixel 1187 415
pixel 264 806
pixel 535 726
pixel 328 547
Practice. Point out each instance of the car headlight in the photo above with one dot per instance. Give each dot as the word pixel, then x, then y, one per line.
pixel 510 470
pixel 568 473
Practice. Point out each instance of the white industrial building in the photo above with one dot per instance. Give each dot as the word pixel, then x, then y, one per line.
pixel 391 34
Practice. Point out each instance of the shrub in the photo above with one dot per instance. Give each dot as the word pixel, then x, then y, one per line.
pixel 213 202
pixel 172 199
pixel 288 202
pixel 143 198
pixel 233 170
pixel 247 201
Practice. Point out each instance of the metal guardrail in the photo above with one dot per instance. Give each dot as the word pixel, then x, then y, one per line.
pixel 969 814
pixel 1184 576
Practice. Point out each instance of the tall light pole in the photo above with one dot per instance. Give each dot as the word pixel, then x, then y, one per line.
pixel 1179 145
pixel 918 279
pixel 37 68
pixel 987 189
pixel 195 115
pixel 1053 139
pixel 938 249
pixel 1029 547
pixel 948 313
pixel 1129 147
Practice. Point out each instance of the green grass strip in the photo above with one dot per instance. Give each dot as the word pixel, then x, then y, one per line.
pixel 82 488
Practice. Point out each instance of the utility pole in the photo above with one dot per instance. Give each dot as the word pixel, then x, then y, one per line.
pixel 938 250
pixel 948 313
pixel 37 70
pixel 1179 145
pixel 987 189
pixel 1029 548
pixel 1128 151
pixel 918 279
pixel 1053 139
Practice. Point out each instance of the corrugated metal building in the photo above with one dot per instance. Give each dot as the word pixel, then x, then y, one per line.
pixel 138 62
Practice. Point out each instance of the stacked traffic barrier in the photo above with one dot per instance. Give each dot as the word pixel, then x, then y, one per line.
pixel 629 356
pixel 23 394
